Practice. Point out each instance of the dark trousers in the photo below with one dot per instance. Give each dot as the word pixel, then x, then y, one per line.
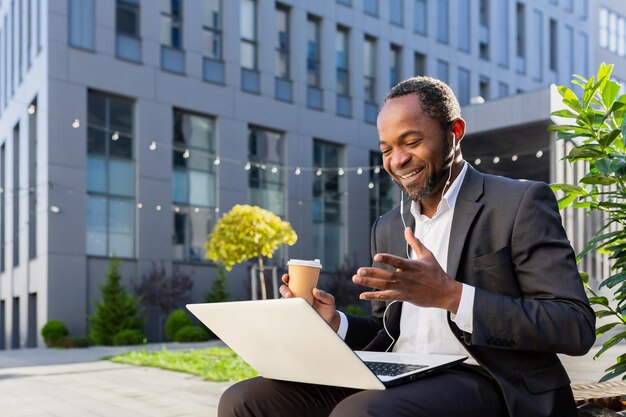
pixel 454 392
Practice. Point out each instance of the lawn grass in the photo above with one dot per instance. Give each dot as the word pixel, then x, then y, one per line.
pixel 213 364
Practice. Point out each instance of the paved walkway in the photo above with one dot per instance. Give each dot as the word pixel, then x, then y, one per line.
pixel 75 383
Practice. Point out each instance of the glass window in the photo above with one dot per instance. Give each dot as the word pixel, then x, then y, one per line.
pixel 370 7
pixel 172 23
pixel 503 89
pixel 383 191
pixel 464 87
pixel 420 64
pixel 604 27
pixel 282 43
pixel 369 69
pixel 212 27
pixel 313 52
pixel 342 61
pixel 569 47
pixel 396 11
pixel 553 45
pixel 537 70
pixel 464 25
pixel 442 71
pixel 503 33
pixel 248 35
pixel 583 58
pixel 420 18
pixel 521 30
pixel 266 174
pixel 110 176
pixel 442 21
pixel 127 17
pixel 483 87
pixel 396 65
pixel 328 204
pixel 193 183
pixel 81 23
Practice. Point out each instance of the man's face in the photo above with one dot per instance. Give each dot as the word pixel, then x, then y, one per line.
pixel 415 148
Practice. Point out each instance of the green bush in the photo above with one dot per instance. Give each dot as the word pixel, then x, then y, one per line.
pixel 191 334
pixel 176 321
pixel 53 331
pixel 117 310
pixel 74 342
pixel 129 337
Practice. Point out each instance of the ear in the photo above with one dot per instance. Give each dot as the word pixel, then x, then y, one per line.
pixel 458 128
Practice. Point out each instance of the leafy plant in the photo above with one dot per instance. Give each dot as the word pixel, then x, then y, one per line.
pixel 53 331
pixel 176 321
pixel 597 129
pixel 248 232
pixel 129 337
pixel 191 334
pixel 169 293
pixel 116 311
pixel 218 291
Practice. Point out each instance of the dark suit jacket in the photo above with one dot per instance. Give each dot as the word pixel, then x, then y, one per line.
pixel 506 240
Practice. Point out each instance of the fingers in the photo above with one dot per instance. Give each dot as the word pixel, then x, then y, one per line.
pixel 285 292
pixel 375 278
pixel 413 242
pixel 381 295
pixel 285 278
pixel 395 261
pixel 323 296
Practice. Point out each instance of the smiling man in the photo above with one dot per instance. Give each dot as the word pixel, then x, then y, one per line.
pixel 469 264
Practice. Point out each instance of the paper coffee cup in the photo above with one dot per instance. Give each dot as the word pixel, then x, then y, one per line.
pixel 303 277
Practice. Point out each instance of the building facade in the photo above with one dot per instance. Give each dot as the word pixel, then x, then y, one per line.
pixel 128 126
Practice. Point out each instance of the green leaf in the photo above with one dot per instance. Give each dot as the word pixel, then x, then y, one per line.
pixel 610 343
pixel 585 152
pixel 607 138
pixel 569 98
pixel 567 114
pixel 609 92
pixel 603 329
pixel 599 300
pixel 584 277
pixel 604 313
pixel 599 179
pixel 613 280
pixel 567 200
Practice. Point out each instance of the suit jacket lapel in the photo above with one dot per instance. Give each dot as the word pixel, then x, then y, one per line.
pixel 465 211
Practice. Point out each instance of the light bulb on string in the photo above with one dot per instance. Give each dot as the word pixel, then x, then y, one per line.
pixel 274 170
pixel 298 171
pixel 186 154
pixel 139 205
pixel 158 207
pixel 340 172
pixel 539 154
pixel 116 135
pixel 177 209
pixel 359 171
pixel 318 172
pixel 514 158
pixel 75 123
pixel 247 166
pixel 370 185
pixel 496 159
pixel 263 166
pixel 477 161
pixel 152 146
pixel 196 210
pixel 217 161
pixel 377 170
pixel 31 109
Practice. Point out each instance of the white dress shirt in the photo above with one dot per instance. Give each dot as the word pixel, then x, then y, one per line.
pixel 426 330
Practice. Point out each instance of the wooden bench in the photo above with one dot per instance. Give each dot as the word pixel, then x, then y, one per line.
pixel 610 394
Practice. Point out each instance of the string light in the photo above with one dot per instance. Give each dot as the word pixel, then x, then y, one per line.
pixel 298 171
pixel 196 210
pixel 514 158
pixel 370 185
pixel 340 172
pixel 377 170
pixel 318 172
pixel 274 170
pixel 248 166
pixel 158 207
pixel 152 146
pixel 477 161
pixel 186 154
pixel 32 109
pixel 359 171
pixel 139 205
pixel 496 160
pixel 55 209
pixel 539 154
pixel 217 161
pixel 177 209
pixel 76 123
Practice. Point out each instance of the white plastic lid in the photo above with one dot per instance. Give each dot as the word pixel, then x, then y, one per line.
pixel 301 262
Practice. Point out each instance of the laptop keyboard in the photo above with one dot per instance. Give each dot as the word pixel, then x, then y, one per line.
pixel 392 369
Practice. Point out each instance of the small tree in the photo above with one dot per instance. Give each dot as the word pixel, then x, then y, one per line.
pixel 218 292
pixel 169 293
pixel 247 232
pixel 598 133
pixel 117 310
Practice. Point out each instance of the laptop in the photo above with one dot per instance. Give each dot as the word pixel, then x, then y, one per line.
pixel 287 339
